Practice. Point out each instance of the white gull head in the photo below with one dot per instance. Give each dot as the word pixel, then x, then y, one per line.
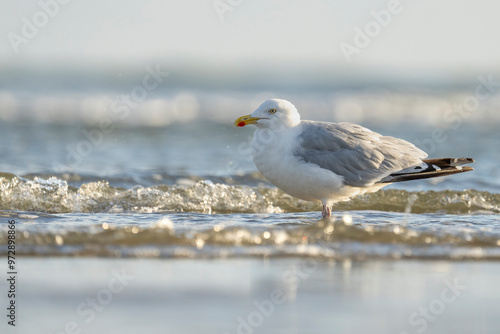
pixel 273 114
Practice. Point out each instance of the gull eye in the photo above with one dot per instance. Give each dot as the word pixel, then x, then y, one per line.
pixel 272 111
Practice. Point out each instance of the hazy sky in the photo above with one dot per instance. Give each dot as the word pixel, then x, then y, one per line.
pixel 451 35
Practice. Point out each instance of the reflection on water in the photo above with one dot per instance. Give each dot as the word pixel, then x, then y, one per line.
pixel 280 295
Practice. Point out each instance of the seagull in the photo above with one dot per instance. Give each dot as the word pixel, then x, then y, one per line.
pixel 332 162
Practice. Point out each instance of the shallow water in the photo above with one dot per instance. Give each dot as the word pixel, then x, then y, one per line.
pixel 170 195
pixel 191 190
pixel 280 295
pixel 353 235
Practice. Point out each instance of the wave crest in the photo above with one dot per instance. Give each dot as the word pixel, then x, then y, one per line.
pixel 54 195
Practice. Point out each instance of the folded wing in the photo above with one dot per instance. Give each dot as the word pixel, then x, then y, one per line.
pixel 362 157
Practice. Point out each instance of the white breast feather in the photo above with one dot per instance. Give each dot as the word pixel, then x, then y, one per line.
pixel 275 160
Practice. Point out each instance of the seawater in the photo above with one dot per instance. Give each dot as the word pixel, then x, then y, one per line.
pixel 178 181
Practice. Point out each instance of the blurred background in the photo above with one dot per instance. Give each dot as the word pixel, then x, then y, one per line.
pixel 117 141
pixel 404 68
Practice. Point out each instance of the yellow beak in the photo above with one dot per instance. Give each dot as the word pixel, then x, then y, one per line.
pixel 245 120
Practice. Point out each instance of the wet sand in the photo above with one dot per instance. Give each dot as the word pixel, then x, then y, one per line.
pixel 289 295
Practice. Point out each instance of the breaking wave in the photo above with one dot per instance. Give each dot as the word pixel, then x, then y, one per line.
pixel 54 195
pixel 94 218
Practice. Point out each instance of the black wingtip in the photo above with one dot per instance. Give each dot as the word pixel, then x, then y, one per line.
pixel 449 162
pixel 437 167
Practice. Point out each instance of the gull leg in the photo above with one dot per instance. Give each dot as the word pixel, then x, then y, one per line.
pixel 327 212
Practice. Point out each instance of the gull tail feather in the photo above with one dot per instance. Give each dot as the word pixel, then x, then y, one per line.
pixel 430 168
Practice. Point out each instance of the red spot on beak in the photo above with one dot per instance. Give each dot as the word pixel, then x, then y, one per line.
pixel 241 124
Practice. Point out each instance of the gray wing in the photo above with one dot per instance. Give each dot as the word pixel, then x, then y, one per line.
pixel 361 156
